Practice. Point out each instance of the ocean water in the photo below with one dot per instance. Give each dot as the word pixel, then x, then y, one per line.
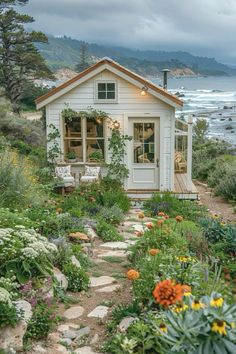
pixel 211 98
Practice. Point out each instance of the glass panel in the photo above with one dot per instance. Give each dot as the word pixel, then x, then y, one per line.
pixel 110 87
pixel 75 146
pixel 101 95
pixel 181 148
pixel 144 143
pixel 74 129
pixel 111 95
pixel 101 87
pixel 95 150
pixel 95 129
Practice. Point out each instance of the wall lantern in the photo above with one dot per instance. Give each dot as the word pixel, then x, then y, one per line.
pixel 116 125
pixel 144 91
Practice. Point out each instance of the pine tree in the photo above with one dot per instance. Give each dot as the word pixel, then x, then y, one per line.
pixel 20 60
pixel 83 58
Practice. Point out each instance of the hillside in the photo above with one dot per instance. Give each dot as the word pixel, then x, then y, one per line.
pixel 64 52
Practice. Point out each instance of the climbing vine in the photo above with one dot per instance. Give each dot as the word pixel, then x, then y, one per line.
pixel 69 115
pixel 117 147
pixel 54 150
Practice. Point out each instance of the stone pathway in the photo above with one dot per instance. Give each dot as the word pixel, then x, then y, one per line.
pixel 83 329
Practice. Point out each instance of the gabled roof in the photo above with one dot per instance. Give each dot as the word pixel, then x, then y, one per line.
pixel 107 63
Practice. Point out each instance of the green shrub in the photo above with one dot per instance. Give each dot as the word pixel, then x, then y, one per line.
pixel 11 219
pixel 42 321
pixel 25 254
pixel 227 187
pixel 9 315
pixel 107 232
pixel 78 279
pixel 18 183
pixel 113 215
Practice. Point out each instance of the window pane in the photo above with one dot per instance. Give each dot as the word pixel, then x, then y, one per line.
pixel 73 129
pixel 110 87
pixel 144 147
pixel 95 150
pixel 138 131
pixel 111 95
pixel 95 128
pixel 75 146
pixel 101 95
pixel 101 87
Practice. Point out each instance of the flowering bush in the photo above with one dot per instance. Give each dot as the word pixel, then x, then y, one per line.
pixel 25 253
pixel 78 279
pixel 9 315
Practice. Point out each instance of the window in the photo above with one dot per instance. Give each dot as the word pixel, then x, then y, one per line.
pixel 106 91
pixel 144 143
pixel 85 137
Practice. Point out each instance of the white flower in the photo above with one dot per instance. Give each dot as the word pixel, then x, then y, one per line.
pixel 5 297
pixel 29 252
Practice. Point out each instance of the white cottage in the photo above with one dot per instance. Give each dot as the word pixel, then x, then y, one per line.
pixel 157 154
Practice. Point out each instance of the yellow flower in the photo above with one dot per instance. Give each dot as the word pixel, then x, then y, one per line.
pixel 232 325
pixel 217 302
pixel 219 326
pixel 197 305
pixel 163 328
pixel 180 308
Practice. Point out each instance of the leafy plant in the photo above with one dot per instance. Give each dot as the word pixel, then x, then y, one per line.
pixel 107 232
pixel 78 279
pixel 9 315
pixel 71 155
pixel 117 146
pixel 113 215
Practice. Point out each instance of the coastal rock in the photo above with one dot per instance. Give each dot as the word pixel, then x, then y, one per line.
pixel 61 278
pixel 26 309
pixel 75 261
pixel 11 338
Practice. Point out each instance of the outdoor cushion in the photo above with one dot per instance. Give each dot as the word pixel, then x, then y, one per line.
pixel 63 171
pixel 88 179
pixel 92 171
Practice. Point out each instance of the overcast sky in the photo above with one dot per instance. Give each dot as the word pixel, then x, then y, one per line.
pixel 202 27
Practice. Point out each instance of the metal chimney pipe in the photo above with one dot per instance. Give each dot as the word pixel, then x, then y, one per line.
pixel 165 76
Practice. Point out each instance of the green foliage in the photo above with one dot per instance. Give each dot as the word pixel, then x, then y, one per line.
pixel 172 206
pixel 78 279
pixel 18 183
pixel 107 232
pixel 84 60
pixel 54 151
pixel 117 146
pixel 112 215
pixel 42 321
pixel 9 316
pixel 25 254
pixel 19 58
pixel 29 95
pixel 11 219
pixel 200 129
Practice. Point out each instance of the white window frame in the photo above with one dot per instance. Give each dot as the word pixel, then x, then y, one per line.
pixel 107 100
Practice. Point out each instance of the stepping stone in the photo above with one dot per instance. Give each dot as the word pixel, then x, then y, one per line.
pixel 126 323
pixel 73 312
pixel 115 245
pixel 99 312
pixel 91 233
pixel 66 327
pixel 100 281
pixel 84 350
pixel 118 253
pixel 108 289
pixel 82 332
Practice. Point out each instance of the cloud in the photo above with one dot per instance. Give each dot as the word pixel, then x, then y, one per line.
pixel 204 27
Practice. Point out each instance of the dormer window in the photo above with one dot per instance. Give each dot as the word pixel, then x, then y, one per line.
pixel 106 91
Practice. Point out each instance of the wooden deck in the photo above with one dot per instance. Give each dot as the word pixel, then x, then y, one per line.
pixel 180 192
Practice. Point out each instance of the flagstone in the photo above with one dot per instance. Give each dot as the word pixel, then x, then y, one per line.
pixel 99 312
pixel 100 281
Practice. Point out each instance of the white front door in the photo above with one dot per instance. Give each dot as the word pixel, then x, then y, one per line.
pixel 143 154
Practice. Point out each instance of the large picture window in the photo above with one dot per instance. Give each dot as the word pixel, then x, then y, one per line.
pixel 85 138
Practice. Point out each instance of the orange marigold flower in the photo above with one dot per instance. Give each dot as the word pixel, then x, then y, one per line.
pixel 132 274
pixel 141 215
pixel 154 251
pixel 160 222
pixel 161 213
pixel 149 225
pixel 167 293
pixel 179 218
pixel 167 217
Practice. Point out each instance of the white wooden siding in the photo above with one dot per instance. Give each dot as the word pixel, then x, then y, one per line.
pixel 129 101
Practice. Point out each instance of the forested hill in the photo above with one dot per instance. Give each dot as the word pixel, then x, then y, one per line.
pixel 64 52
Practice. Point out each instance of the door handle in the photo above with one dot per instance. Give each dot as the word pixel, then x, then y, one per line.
pixel 157 161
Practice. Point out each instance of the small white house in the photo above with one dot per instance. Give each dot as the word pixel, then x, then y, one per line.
pixel 156 155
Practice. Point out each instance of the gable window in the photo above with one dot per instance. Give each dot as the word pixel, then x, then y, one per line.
pixel 85 138
pixel 106 91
